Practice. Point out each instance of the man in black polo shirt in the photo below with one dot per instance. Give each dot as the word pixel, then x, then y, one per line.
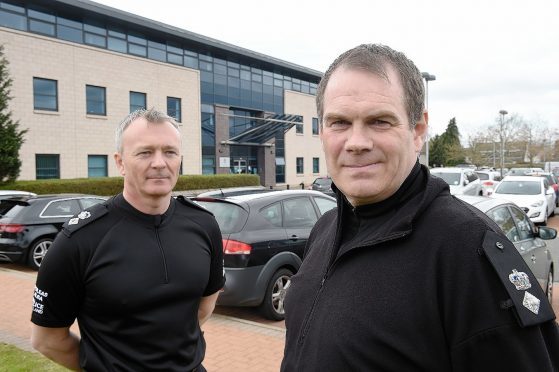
pixel 140 273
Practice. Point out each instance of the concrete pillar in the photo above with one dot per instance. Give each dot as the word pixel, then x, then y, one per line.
pixel 221 134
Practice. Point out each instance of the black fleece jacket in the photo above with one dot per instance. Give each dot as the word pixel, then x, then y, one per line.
pixel 405 285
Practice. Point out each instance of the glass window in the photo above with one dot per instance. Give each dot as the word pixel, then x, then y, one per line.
pixel 99 30
pixel 11 20
pixel 41 15
pixel 118 45
pixel 174 108
pixel 61 208
pixel 137 39
pixel 299 212
pixel 174 58
pixel 137 101
pixel 137 49
pixel 157 54
pixel 45 94
pixel 96 100
pixel 272 214
pixel 88 202
pixel 315 165
pixel 96 166
pixel 95 40
pixel 12 7
pixel 69 33
pixel 504 220
pixel 220 69
pixel 324 205
pixel 299 128
pixel 315 126
pixel 47 166
pixel 300 166
pixel 41 27
pixel 524 224
pixel 191 62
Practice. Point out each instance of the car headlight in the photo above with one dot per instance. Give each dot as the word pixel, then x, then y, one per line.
pixel 539 203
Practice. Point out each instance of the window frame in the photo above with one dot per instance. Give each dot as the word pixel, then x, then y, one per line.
pixel 145 96
pixel 88 100
pixel 300 168
pixel 35 94
pixel 179 100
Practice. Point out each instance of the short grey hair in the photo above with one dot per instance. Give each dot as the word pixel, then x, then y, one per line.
pixel 375 58
pixel 152 116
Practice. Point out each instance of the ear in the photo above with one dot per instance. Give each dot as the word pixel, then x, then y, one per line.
pixel 421 130
pixel 119 163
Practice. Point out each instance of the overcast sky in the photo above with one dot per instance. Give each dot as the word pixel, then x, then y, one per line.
pixel 486 55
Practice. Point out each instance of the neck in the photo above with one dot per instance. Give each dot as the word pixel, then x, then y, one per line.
pixel 150 205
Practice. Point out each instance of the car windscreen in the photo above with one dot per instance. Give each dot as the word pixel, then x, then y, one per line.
pixel 519 188
pixel 450 178
pixel 230 217
pixel 482 176
pixel 323 181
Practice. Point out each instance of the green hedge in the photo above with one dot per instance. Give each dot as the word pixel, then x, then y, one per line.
pixel 113 185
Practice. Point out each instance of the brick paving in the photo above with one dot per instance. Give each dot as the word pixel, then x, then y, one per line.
pixel 232 344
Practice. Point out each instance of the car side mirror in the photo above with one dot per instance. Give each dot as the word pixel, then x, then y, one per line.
pixel 547 233
pixel 466 182
pixel 550 191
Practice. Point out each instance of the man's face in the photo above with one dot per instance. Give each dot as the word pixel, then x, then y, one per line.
pixel 369 146
pixel 150 159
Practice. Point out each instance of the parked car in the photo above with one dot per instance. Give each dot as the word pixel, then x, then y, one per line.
pixel 462 181
pixel 233 191
pixel 523 171
pixel 528 239
pixel 323 184
pixel 552 181
pixel 5 194
pixel 533 194
pixel 489 181
pixel 29 224
pixel 264 236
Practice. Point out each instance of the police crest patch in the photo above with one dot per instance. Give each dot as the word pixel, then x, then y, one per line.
pixel 520 280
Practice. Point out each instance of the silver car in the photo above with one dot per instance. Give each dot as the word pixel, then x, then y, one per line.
pixel 528 239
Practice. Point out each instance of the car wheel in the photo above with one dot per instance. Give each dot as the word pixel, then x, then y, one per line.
pixel 37 252
pixel 549 289
pixel 272 306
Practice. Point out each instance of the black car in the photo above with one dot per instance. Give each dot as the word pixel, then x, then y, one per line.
pixel 264 235
pixel 29 224
pixel 323 184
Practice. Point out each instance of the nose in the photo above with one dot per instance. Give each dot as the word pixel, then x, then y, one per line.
pixel 359 139
pixel 158 160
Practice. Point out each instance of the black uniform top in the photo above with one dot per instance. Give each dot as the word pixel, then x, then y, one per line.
pixel 134 282
pixel 412 286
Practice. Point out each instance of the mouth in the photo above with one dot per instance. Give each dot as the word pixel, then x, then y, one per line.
pixel 361 166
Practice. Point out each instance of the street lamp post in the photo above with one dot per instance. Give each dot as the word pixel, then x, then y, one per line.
pixel 428 77
pixel 503 113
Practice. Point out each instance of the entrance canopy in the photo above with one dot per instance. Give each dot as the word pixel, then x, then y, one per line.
pixel 264 130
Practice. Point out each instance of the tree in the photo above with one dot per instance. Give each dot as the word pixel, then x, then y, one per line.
pixel 437 153
pixel 451 141
pixel 11 138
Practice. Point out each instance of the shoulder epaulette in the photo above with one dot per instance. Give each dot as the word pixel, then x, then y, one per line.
pixel 84 218
pixel 529 300
pixel 189 203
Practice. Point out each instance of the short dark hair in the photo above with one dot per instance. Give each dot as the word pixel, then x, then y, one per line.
pixel 375 58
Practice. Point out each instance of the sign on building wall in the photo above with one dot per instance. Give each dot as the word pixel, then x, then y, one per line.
pixel 224 161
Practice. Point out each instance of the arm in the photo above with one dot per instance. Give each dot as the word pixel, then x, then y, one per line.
pixel 206 308
pixel 57 344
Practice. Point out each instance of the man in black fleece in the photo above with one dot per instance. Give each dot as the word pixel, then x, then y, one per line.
pixel 402 276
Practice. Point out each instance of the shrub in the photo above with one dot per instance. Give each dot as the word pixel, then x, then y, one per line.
pixel 113 185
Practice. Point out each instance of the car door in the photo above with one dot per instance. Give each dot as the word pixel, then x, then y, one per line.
pixel 272 236
pixel 59 211
pixel 532 248
pixel 299 218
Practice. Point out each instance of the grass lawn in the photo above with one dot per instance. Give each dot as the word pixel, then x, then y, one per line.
pixel 13 359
